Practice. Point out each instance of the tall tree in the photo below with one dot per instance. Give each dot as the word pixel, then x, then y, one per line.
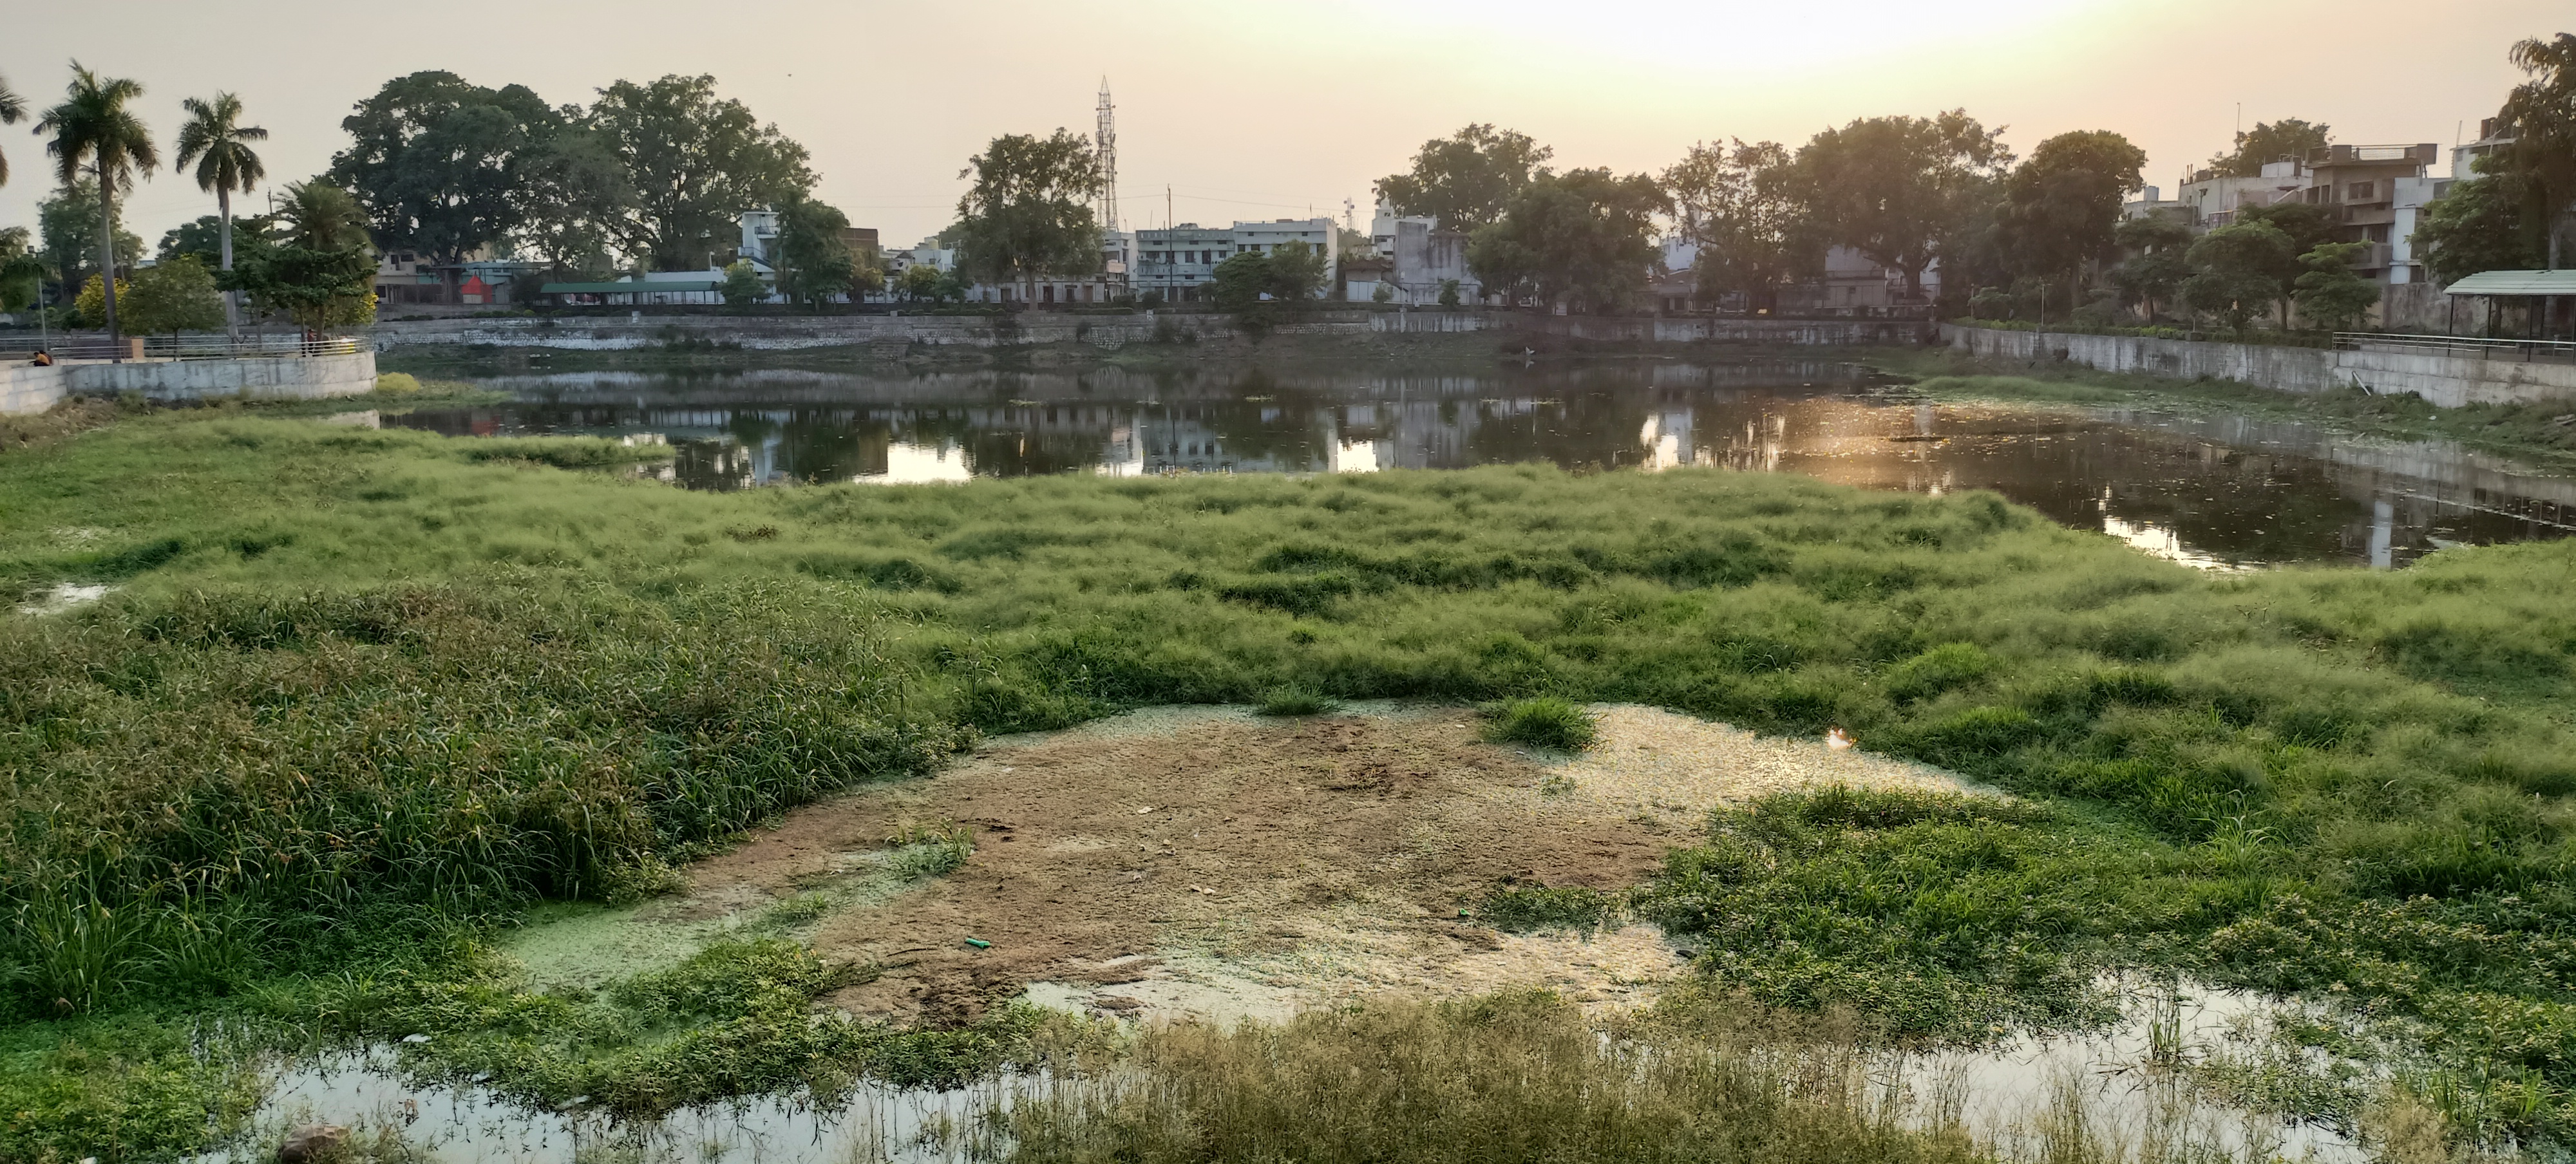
pixel 2286 140
pixel 215 139
pixel 813 262
pixel 2479 225
pixel 2235 271
pixel 2307 226
pixel 1583 238
pixel 436 161
pixel 1739 206
pixel 2155 268
pixel 573 192
pixel 13 109
pixel 695 164
pixel 1464 180
pixel 2331 294
pixel 1899 189
pixel 2543 113
pixel 2061 205
pixel 22 273
pixel 93 126
pixel 1028 212
pixel 173 297
pixel 67 224
pixel 319 268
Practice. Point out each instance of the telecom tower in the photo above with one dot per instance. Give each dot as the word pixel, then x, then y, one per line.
pixel 1106 141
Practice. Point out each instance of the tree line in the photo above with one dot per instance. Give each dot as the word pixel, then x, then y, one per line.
pixel 2009 235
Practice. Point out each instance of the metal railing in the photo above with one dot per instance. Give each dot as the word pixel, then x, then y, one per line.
pixel 21 348
pixel 2526 350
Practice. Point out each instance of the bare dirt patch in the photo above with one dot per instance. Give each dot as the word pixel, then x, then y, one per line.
pixel 1205 861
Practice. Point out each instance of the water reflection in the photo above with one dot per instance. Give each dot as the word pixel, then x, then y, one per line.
pixel 2213 491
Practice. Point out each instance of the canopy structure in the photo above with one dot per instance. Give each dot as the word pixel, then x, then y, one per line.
pixel 2515 283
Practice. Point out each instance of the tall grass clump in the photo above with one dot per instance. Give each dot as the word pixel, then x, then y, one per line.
pixel 1505 1078
pixel 1544 722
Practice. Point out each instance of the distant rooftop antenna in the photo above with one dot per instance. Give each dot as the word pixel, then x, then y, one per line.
pixel 1106 142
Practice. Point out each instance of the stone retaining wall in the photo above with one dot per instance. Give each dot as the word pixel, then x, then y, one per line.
pixel 25 389
pixel 2446 380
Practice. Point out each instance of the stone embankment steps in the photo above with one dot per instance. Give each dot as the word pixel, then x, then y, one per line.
pixel 25 389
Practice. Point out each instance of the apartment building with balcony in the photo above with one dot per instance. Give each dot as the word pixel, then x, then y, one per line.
pixel 2376 193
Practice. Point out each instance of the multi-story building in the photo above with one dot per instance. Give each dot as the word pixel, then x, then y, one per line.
pixel 2376 193
pixel 2214 198
pixel 482 280
pixel 2494 133
pixel 1180 262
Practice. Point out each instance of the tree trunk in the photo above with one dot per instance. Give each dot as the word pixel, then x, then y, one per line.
pixel 107 245
pixel 232 299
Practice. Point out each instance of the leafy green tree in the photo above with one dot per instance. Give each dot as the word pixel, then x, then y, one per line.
pixel 1240 282
pixel 2331 294
pixel 68 225
pixel 2478 226
pixel 2061 206
pixel 2154 271
pixel 22 272
pixel 2233 271
pixel 694 163
pixel 918 282
pixel 2543 113
pixel 13 109
pixel 1900 189
pixel 814 264
pixel 1584 238
pixel 1739 206
pixel 437 160
pixel 2286 140
pixel 572 192
pixel 1296 272
pixel 2307 226
pixel 1449 293
pixel 94 127
pixel 1028 212
pixel 320 269
pixel 90 305
pixel 743 286
pixel 215 139
pixel 1466 179
pixel 172 297
pixel 202 236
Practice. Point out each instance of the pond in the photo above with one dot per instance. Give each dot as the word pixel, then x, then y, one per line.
pixel 2214 490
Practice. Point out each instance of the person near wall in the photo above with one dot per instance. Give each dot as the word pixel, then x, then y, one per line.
pixel 44 359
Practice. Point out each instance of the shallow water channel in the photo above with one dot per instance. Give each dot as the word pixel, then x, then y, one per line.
pixel 2135 1084
pixel 2213 490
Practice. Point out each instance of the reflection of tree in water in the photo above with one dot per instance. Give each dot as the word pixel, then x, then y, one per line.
pixel 1576 430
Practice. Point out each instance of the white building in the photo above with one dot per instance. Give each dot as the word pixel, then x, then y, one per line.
pixel 1179 262
pixel 2214 198
pixel 1427 258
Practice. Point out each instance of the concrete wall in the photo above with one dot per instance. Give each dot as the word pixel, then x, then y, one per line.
pixel 26 389
pixel 790 333
pixel 2449 381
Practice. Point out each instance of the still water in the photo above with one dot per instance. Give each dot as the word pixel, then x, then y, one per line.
pixel 2214 490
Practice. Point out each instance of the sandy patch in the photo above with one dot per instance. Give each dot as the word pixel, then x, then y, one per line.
pixel 1205 861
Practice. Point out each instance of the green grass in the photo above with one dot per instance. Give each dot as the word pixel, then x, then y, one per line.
pixel 2542 429
pixel 1544 722
pixel 365 693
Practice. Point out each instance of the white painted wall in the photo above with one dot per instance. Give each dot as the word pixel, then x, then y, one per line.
pixel 25 389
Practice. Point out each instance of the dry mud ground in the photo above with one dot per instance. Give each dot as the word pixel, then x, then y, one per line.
pixel 1202 861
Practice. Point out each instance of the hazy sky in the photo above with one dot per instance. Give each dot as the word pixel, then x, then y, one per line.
pixel 1263 110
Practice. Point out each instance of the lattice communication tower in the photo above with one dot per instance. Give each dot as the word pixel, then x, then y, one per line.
pixel 1106 142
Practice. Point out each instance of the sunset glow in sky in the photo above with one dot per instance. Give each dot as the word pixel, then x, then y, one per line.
pixel 1264 110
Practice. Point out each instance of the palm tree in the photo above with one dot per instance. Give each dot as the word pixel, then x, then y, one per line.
pixel 215 140
pixel 11 109
pixel 93 126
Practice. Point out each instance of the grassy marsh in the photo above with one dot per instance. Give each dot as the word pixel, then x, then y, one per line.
pixel 363 696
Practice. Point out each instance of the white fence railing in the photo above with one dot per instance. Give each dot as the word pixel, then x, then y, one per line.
pixel 21 348
pixel 2553 351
